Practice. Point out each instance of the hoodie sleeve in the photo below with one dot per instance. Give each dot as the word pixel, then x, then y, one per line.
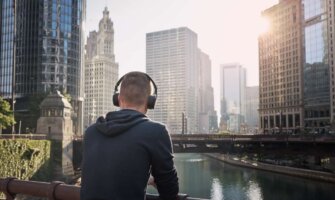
pixel 163 169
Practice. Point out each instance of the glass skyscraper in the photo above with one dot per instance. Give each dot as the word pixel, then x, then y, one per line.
pixel 49 46
pixel 316 66
pixel 232 95
pixel 6 47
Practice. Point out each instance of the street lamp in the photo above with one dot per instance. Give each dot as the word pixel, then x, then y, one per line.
pixel 14 64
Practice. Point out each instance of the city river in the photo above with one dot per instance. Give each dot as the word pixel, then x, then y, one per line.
pixel 204 177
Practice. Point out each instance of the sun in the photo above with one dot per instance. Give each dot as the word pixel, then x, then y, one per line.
pixel 263 25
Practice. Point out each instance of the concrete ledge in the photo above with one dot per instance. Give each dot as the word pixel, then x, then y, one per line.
pixel 305 173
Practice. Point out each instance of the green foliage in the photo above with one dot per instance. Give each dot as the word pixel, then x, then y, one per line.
pixel 6 114
pixel 25 159
pixel 67 96
pixel 225 133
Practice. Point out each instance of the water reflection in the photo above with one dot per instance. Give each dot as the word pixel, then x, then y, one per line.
pixel 254 191
pixel 216 191
pixel 204 177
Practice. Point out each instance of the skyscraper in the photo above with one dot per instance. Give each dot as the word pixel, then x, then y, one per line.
pixel 318 68
pixel 48 56
pixel 101 71
pixel 232 92
pixel 280 69
pixel 207 115
pixel 297 67
pixel 6 47
pixel 251 107
pixel 331 47
pixel 172 62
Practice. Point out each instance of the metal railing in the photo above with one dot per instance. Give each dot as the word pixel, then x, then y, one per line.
pixel 54 191
pixel 208 137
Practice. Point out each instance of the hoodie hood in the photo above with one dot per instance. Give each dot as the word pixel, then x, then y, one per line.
pixel 118 122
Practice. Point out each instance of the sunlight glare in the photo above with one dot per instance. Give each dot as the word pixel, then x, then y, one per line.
pixel 264 25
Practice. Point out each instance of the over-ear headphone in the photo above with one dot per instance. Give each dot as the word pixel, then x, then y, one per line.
pixel 151 99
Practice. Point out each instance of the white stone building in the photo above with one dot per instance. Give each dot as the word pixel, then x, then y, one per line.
pixel 101 71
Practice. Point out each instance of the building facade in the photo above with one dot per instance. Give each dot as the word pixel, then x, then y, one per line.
pixel 172 62
pixel 232 95
pixel 207 115
pixel 331 47
pixel 280 69
pixel 6 48
pixel 251 107
pixel 48 52
pixel 101 71
pixel 318 66
pixel 297 67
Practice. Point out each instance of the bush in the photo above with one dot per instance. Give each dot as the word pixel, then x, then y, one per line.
pixel 25 159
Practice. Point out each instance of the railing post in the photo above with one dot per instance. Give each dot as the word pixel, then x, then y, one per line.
pixel 9 196
pixel 52 190
pixel 182 196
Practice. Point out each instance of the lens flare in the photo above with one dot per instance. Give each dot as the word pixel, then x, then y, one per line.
pixel 263 26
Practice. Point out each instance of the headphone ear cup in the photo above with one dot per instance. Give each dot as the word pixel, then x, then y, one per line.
pixel 116 99
pixel 151 102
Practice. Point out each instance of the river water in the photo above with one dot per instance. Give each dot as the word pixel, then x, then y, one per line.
pixel 204 177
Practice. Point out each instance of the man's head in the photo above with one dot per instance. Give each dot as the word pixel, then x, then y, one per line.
pixel 135 90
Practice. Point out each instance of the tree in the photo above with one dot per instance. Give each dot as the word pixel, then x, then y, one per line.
pixel 67 96
pixel 6 114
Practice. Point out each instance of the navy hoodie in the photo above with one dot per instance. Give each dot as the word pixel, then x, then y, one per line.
pixel 120 152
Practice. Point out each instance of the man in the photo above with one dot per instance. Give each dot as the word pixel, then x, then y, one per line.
pixel 122 150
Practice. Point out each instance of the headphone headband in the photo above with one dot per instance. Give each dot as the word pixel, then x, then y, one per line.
pixel 150 79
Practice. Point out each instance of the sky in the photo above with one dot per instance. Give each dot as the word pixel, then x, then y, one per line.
pixel 227 30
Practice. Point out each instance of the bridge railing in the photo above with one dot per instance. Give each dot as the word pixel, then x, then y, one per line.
pixel 24 136
pixel 208 137
pixel 253 138
pixel 54 190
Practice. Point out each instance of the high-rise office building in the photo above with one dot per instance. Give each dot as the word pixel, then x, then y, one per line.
pixel 48 53
pixel 331 47
pixel 172 62
pixel 251 107
pixel 280 69
pixel 101 71
pixel 232 95
pixel 207 115
pixel 297 67
pixel 6 47
pixel 318 68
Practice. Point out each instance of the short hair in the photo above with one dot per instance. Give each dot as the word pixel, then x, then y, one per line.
pixel 135 88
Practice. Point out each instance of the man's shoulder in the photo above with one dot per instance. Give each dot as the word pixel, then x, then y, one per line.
pixel 154 125
pixel 91 130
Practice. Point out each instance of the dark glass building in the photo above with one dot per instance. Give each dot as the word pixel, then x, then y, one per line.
pixel 316 66
pixel 49 46
pixel 6 47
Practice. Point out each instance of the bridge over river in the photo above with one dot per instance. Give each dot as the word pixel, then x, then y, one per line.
pixel 217 143
pixel 202 143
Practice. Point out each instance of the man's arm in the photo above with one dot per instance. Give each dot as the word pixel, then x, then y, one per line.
pixel 163 169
